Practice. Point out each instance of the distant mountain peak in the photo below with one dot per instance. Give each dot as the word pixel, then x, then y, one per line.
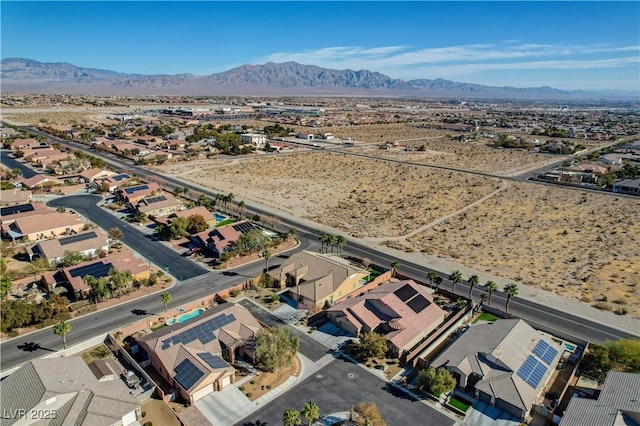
pixel 271 78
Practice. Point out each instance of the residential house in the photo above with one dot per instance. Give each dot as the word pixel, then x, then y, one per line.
pixel 91 175
pixel 194 356
pixel 158 205
pixel 133 194
pixel 146 139
pixel 122 261
pixel 12 197
pixel 316 280
pixel 618 404
pixel 29 143
pixel 255 139
pixel 114 182
pixel 198 211
pixel 39 181
pixel 8 215
pixel 87 243
pixel 218 240
pixel 506 364
pixel 105 370
pixel 44 226
pixel 403 311
pixel 43 158
pixel 66 388
pixel 627 186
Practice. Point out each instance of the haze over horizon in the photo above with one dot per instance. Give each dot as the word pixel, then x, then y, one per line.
pixel 569 46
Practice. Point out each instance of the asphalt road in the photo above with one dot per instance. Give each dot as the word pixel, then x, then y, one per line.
pixel 157 253
pixel 341 384
pixel 12 163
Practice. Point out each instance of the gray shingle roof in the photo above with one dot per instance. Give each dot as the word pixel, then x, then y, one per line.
pixel 618 404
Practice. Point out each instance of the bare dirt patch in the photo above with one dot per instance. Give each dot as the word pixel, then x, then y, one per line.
pixel 576 244
pixel 159 413
pixel 360 196
pixel 266 381
pixel 473 155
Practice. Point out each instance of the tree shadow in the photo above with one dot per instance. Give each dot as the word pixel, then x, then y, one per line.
pixel 256 423
pixel 32 347
pixel 140 312
pixel 398 393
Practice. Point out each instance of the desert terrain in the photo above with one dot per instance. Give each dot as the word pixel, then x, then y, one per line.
pixel 363 197
pixel 576 244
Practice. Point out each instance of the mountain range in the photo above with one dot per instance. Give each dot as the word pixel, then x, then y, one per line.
pixel 271 79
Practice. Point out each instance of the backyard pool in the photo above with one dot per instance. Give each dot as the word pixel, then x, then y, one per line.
pixel 219 217
pixel 185 317
pixel 569 347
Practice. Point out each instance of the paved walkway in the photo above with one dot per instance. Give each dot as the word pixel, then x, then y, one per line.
pixel 482 414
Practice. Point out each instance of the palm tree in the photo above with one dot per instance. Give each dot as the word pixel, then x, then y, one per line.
pixel 267 255
pixel 61 329
pixel 324 239
pixel 333 240
pixel 166 298
pixel 483 298
pixel 230 198
pixel 310 411
pixel 473 281
pixel 241 208
pixel 438 280
pixel 456 278
pixel 395 265
pixel 491 287
pixel 291 417
pixel 511 289
pixel 341 241
pixel 431 276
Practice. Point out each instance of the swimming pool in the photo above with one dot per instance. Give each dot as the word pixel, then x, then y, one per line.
pixel 219 217
pixel 185 317
pixel 569 347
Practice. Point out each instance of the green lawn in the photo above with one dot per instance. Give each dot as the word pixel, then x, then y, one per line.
pixel 373 273
pixel 458 404
pixel 485 317
pixel 225 222
pixel 161 326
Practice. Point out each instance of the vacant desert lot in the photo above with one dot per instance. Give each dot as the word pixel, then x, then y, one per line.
pixel 360 196
pixel 475 155
pixel 581 245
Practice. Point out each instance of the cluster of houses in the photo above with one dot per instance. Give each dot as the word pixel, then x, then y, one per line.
pixel 595 172
pixel 51 235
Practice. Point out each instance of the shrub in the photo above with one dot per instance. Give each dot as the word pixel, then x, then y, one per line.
pixel 249 394
pixel 234 292
pixel 144 414
pixel 268 386
pixel 602 306
pixel 253 382
pixel 241 388
pixel 621 311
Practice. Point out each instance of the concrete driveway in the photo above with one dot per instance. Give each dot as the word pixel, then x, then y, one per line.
pixel 225 407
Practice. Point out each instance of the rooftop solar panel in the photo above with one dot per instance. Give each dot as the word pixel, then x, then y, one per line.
pixel 7 211
pixel 243 226
pixel 118 178
pixel 187 374
pixel 156 199
pixel 214 361
pixel 133 189
pixel 532 371
pixel 96 270
pixel 203 331
pixel 418 303
pixel 405 292
pixel 77 238
pixel 545 352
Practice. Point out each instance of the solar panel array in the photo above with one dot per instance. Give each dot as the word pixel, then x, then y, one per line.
pixel 6 211
pixel 243 227
pixel 187 374
pixel 532 371
pixel 214 361
pixel 545 352
pixel 96 270
pixel 418 303
pixel 133 189
pixel 156 199
pixel 77 238
pixel 405 292
pixel 203 331
pixel 118 178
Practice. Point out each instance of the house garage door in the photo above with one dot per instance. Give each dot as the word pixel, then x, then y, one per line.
pixel 202 392
pixel 224 382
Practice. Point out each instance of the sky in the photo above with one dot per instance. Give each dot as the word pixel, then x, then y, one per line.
pixel 566 45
